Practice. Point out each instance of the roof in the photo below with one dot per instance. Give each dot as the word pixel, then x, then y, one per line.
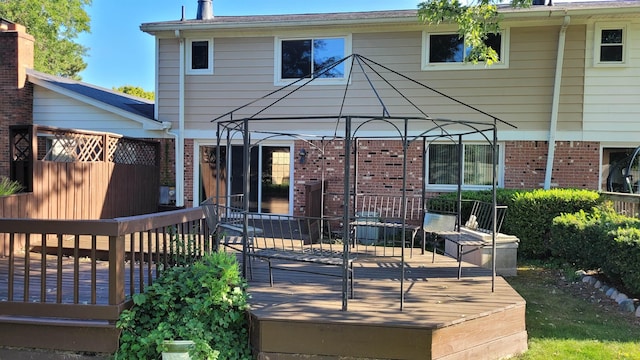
pixel 132 107
pixel 373 17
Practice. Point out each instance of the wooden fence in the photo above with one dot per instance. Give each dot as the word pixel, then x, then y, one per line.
pixel 73 175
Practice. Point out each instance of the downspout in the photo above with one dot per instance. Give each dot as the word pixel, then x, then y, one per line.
pixel 180 135
pixel 555 103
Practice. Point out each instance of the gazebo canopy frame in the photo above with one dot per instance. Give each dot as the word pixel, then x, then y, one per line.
pixel 254 129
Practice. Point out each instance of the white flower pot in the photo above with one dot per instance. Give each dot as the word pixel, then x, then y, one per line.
pixel 177 350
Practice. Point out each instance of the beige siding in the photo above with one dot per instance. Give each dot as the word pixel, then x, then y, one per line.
pixel 612 106
pixel 521 94
pixel 53 109
pixel 168 79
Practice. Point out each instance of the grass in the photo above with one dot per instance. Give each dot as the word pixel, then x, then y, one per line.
pixel 564 322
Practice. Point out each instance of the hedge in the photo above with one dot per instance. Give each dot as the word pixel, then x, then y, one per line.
pixel 600 239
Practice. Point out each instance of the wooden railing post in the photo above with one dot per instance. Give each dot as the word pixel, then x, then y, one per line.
pixel 116 269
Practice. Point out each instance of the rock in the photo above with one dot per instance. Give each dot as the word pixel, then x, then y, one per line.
pixel 586 279
pixel 597 284
pixel 604 288
pixel 610 291
pixel 627 305
pixel 638 312
pixel 614 294
pixel 621 297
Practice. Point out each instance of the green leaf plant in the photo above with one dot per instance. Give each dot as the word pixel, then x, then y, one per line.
pixel 205 302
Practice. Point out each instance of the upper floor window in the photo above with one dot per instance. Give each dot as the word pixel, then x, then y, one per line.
pixel 199 57
pixel 446 51
pixel 477 169
pixel 610 45
pixel 311 58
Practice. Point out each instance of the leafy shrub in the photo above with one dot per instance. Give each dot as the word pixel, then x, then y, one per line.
pixel 573 234
pixel 531 213
pixel 584 238
pixel 624 258
pixel 600 239
pixel 8 187
pixel 205 302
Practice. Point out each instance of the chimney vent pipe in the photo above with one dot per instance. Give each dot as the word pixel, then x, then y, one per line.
pixel 205 10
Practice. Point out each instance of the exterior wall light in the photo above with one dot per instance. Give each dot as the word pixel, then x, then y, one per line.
pixel 303 155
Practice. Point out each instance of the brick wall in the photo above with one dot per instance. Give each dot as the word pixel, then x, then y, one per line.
pixel 575 165
pixel 16 94
pixel 188 173
pixel 379 170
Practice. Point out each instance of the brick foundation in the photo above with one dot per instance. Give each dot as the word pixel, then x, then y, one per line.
pixel 575 164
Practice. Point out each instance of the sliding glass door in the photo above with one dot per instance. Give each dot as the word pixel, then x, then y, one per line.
pixel 270 171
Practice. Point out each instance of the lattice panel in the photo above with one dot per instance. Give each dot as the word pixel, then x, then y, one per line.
pixel 69 147
pixel 21 143
pixel 127 151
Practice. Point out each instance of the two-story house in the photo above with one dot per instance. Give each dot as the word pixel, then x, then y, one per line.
pixel 568 75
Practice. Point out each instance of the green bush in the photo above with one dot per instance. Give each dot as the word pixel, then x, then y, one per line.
pixel 205 302
pixel 531 213
pixel 584 238
pixel 600 239
pixel 8 187
pixel 624 258
pixel 572 236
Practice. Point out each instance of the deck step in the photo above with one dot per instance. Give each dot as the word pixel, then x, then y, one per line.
pixel 96 336
pixel 42 354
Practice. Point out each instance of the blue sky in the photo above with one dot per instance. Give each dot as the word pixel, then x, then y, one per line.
pixel 121 54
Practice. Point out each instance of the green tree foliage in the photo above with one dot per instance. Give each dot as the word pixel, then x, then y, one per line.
pixel 136 91
pixel 476 19
pixel 55 25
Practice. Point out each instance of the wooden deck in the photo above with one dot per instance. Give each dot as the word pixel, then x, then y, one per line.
pixel 301 317
pixel 442 317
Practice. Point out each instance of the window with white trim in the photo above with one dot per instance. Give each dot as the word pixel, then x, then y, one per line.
pixel 312 58
pixel 446 51
pixel 199 59
pixel 477 172
pixel 610 45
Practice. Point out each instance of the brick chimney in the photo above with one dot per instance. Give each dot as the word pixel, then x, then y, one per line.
pixel 16 94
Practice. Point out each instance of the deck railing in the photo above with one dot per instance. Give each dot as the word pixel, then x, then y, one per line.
pixel 624 204
pixel 88 270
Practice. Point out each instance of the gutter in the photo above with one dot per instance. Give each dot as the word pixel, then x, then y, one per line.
pixel 393 17
pixel 179 143
pixel 553 126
